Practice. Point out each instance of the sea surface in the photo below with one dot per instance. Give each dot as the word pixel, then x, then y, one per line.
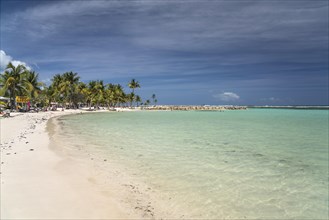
pixel 243 164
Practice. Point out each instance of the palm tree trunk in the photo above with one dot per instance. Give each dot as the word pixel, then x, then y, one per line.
pixel 12 99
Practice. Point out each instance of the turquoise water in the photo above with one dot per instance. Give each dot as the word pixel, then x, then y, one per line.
pixel 258 163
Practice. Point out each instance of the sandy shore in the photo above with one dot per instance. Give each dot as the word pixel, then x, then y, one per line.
pixel 38 183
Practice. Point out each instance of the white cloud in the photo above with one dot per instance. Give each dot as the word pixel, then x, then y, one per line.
pixel 271 99
pixel 227 96
pixel 5 59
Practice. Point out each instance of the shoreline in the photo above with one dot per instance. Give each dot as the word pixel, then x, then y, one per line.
pixel 65 177
pixel 39 183
pixel 138 199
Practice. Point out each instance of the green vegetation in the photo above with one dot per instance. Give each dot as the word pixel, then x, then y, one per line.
pixel 17 81
pixel 154 99
pixel 65 90
pixel 133 85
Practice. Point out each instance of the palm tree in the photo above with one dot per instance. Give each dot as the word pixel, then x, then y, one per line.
pixel 55 90
pixel 133 85
pixel 46 96
pixel 100 92
pixel 109 94
pixel 92 92
pixel 34 84
pixel 153 97
pixel 130 98
pixel 70 81
pixel 13 82
pixel 79 94
pixel 57 79
pixel 138 99
pixel 64 89
pixel 119 95
pixel 97 92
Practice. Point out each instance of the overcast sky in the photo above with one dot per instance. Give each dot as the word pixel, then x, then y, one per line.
pixel 269 52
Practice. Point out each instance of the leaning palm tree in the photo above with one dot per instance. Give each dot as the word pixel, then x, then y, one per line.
pixel 13 82
pixel 34 84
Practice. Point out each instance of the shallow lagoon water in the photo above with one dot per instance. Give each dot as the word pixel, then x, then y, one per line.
pixel 257 163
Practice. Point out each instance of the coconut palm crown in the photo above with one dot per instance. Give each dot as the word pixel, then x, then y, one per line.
pixel 13 82
pixel 133 85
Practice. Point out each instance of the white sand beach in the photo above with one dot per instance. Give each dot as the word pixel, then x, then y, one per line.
pixel 38 183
